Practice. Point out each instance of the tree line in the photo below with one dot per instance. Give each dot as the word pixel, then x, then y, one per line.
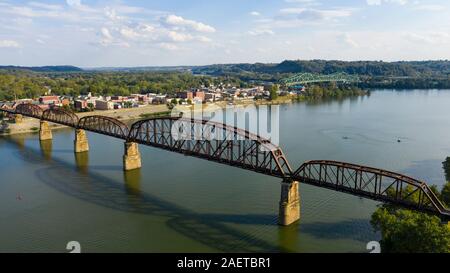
pixel 25 84
pixel 373 74
pixel 368 68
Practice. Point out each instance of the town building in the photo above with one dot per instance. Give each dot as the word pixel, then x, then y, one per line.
pixel 104 105
pixel 211 97
pixel 49 100
pixel 80 105
pixel 185 95
pixel 199 95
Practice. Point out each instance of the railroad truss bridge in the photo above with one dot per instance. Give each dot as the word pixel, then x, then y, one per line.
pixel 239 148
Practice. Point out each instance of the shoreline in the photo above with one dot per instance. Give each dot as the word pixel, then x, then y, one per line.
pixel 31 125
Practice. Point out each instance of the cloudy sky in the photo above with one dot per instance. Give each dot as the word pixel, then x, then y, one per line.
pixel 92 33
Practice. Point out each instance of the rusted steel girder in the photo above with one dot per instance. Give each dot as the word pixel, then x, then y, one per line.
pixel 104 125
pixel 372 183
pixel 212 141
pixel 30 110
pixel 60 116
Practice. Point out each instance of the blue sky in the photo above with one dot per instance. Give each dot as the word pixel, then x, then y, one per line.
pixel 92 33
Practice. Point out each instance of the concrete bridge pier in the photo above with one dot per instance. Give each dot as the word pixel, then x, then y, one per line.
pixel 45 133
pixel 81 142
pixel 289 211
pixel 18 118
pixel 132 157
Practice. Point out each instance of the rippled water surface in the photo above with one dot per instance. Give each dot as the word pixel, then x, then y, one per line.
pixel 50 196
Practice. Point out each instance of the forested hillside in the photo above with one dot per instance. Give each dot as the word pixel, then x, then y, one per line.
pixel 367 68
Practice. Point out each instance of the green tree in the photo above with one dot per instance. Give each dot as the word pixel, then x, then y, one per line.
pixel 408 231
pixel 446 167
pixel 445 194
pixel 174 101
pixel 405 231
pixel 274 92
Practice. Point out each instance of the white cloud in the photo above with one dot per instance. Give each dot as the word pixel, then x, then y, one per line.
pixel 73 3
pixel 304 3
pixel 379 2
pixel 255 13
pixel 78 5
pixel 111 14
pixel 179 37
pixel 204 39
pixel 315 14
pixel 257 32
pixel 168 46
pixel 165 32
pixel 106 34
pixel 174 20
pixel 129 33
pixel 374 2
pixel 9 44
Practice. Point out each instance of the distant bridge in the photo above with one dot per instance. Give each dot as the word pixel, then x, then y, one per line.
pixel 305 78
pixel 236 147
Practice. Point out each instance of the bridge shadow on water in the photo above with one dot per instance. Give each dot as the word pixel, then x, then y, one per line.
pixel 210 229
pixel 77 181
pixel 346 229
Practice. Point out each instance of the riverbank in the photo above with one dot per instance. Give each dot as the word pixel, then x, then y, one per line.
pixel 31 125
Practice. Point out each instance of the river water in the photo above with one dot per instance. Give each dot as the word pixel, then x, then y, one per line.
pixel 50 196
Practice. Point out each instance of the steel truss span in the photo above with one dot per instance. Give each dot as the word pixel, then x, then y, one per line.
pixel 60 116
pixel 30 110
pixel 305 78
pixel 372 183
pixel 104 125
pixel 239 148
pixel 212 141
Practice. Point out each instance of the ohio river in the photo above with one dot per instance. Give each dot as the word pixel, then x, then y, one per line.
pixel 50 196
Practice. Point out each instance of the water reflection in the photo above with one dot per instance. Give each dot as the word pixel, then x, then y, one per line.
pixel 288 236
pixel 19 140
pixel 82 162
pixel 133 182
pixel 46 149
